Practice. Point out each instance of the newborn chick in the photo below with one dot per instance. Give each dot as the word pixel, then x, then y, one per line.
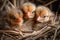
pixel 28 9
pixel 14 17
pixel 43 17
pixel 43 14
pixel 28 12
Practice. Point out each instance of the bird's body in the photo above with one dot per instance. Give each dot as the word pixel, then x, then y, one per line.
pixel 28 12
pixel 14 19
pixel 43 17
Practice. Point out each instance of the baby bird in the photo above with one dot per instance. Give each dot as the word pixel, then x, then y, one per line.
pixel 14 16
pixel 43 17
pixel 28 10
pixel 43 14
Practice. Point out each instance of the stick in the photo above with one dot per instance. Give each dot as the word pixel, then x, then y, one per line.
pixel 55 34
pixel 11 4
pixel 14 2
pixel 52 29
pixel 43 31
pixel 12 32
pixel 9 35
pixel 3 5
pixel 8 31
pixel 50 3
pixel 37 32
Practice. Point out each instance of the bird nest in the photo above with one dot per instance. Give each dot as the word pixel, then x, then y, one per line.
pixel 48 32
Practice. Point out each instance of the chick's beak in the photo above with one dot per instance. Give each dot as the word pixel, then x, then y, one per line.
pixel 27 15
pixel 30 14
pixel 39 18
pixel 18 20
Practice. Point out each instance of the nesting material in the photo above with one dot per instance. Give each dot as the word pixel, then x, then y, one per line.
pixel 29 22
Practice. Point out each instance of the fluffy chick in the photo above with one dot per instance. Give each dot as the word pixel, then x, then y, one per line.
pixel 14 17
pixel 43 14
pixel 28 10
pixel 43 17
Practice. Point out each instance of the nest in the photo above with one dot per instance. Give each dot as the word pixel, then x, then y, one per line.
pixel 48 32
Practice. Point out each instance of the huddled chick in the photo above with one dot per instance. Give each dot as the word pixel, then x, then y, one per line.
pixel 43 16
pixel 39 16
pixel 14 17
pixel 28 10
pixel 28 15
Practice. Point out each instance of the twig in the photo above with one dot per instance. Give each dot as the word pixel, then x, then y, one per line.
pixel 11 4
pixel 10 36
pixel 58 32
pixel 3 5
pixel 51 6
pixel 8 31
pixel 55 33
pixel 56 27
pixel 2 37
pixel 47 32
pixel 43 31
pixel 37 32
pixel 50 3
pixel 12 32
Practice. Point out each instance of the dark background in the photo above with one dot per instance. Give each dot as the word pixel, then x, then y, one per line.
pixel 54 6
